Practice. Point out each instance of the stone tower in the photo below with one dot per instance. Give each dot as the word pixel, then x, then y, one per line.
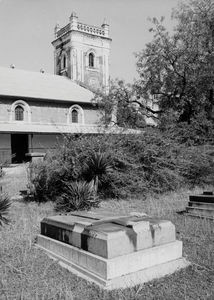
pixel 81 52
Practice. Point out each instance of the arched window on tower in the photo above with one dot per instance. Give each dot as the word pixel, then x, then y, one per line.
pixel 91 60
pixel 74 116
pixel 19 113
pixel 64 62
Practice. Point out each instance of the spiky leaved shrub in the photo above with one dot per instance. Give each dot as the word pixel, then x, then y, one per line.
pixel 4 209
pixel 1 171
pixel 77 195
pixel 96 168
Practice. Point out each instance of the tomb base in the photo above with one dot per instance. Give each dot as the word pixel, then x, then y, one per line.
pixel 112 251
pixel 201 206
pixel 119 272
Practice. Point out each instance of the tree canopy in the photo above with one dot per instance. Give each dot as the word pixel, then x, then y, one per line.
pixel 177 70
pixel 119 105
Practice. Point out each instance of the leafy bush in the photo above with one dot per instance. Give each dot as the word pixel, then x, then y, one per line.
pixel 1 171
pixel 123 165
pixel 4 209
pixel 45 179
pixel 199 132
pixel 77 196
pixel 196 165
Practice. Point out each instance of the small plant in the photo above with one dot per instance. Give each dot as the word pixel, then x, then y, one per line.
pixel 4 209
pixel 96 167
pixel 77 196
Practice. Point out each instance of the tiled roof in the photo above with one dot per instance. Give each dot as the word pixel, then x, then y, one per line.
pixel 20 83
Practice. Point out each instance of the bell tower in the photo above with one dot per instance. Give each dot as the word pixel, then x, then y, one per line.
pixel 81 52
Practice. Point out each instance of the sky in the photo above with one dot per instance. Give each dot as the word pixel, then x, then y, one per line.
pixel 27 30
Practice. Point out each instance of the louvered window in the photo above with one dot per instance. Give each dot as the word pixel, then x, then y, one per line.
pixel 91 60
pixel 74 116
pixel 19 113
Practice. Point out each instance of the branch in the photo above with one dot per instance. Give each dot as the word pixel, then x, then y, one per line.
pixel 147 107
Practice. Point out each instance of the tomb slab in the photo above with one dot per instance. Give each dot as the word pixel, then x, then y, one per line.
pixel 112 251
pixel 109 237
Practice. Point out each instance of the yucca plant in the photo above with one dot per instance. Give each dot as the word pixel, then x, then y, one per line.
pixel 77 196
pixel 4 209
pixel 96 167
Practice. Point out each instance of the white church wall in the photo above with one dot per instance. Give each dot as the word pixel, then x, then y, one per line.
pixel 45 112
pixel 5 106
pixel 48 112
pixel 92 116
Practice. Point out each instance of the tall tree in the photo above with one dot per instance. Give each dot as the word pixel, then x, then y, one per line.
pixel 120 106
pixel 177 70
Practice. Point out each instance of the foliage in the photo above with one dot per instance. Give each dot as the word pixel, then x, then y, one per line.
pixel 200 131
pixel 196 165
pixel 46 178
pixel 119 166
pixel 1 171
pixel 119 106
pixel 77 196
pixel 177 70
pixel 4 209
pixel 97 166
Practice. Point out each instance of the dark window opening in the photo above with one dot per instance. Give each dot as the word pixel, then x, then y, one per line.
pixel 74 115
pixel 19 113
pixel 91 60
pixel 64 63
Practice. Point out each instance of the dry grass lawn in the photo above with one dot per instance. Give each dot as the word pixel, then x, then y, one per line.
pixel 27 273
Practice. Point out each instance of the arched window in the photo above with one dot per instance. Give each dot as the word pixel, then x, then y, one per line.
pixel 64 62
pixel 19 113
pixel 91 60
pixel 74 116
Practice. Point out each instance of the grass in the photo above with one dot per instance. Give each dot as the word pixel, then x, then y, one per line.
pixel 27 273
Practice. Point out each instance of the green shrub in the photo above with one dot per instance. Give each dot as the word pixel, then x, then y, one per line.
pixel 199 132
pixel 96 168
pixel 77 196
pixel 123 165
pixel 196 166
pixel 46 178
pixel 4 209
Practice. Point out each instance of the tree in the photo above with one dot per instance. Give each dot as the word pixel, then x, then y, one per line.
pixel 119 106
pixel 177 70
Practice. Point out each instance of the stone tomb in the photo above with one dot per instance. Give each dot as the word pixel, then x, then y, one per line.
pixel 201 205
pixel 112 251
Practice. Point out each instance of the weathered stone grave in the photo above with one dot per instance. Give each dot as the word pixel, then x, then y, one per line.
pixel 112 251
pixel 201 205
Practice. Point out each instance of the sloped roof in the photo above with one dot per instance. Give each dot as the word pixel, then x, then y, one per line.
pixel 20 83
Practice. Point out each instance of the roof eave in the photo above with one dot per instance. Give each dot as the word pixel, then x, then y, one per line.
pixel 44 99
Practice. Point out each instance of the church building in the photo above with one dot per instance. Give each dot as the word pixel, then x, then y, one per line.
pixel 36 108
